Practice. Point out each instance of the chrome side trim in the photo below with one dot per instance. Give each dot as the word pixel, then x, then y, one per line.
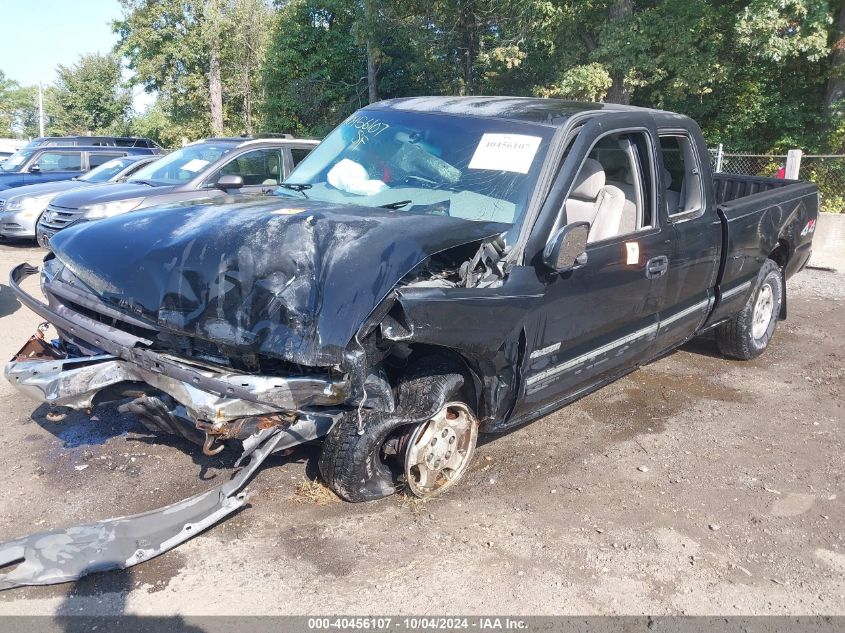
pixel 733 291
pixel 551 372
pixel 701 305
pixel 545 351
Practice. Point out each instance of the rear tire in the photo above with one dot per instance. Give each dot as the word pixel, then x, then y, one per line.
pixel 747 334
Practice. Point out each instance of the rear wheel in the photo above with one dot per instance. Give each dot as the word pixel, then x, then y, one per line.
pixel 747 334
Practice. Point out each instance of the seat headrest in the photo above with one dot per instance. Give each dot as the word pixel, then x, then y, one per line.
pixel 589 181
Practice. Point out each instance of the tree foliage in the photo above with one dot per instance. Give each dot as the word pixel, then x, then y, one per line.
pixel 171 46
pixel 753 72
pixel 89 97
pixel 758 75
pixel 18 109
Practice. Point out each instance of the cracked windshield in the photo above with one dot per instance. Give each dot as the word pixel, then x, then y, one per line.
pixel 470 168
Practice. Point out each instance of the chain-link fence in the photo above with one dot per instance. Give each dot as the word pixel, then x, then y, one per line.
pixel 750 164
pixel 827 171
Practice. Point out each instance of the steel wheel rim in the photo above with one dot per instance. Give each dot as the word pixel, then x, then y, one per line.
pixel 763 310
pixel 434 466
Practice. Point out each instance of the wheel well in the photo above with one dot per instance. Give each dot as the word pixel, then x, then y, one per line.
pixel 472 383
pixel 780 255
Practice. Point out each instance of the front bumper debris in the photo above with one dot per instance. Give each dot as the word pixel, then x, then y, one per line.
pixel 265 412
pixel 67 554
pixel 206 392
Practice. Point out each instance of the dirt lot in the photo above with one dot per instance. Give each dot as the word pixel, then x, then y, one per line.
pixel 696 485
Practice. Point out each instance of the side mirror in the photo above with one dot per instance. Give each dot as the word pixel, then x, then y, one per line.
pixel 567 248
pixel 229 181
pixel 34 169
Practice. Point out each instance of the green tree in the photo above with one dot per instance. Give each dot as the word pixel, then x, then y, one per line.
pixel 18 108
pixel 89 97
pixel 315 72
pixel 752 72
pixel 203 58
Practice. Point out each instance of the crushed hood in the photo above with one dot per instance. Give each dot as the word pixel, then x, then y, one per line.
pixel 286 278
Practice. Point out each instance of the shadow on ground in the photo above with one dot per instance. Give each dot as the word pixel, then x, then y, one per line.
pixel 9 303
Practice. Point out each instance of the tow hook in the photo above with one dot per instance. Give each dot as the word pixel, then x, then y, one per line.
pixel 213 436
pixel 212 445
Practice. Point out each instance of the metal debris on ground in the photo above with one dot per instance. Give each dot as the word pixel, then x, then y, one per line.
pixel 68 554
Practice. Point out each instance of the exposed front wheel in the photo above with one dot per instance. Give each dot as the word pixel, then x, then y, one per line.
pixel 440 449
pixel 425 445
pixel 747 334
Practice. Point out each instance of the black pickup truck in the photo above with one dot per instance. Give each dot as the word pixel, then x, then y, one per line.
pixel 435 268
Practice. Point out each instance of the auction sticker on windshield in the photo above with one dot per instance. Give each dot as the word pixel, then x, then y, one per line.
pixel 505 152
pixel 195 164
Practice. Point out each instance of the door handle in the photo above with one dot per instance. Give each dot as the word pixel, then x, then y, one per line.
pixel 656 266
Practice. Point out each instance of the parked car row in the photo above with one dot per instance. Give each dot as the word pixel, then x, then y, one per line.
pixel 21 207
pixel 46 188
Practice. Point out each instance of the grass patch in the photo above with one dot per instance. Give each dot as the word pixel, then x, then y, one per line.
pixel 313 491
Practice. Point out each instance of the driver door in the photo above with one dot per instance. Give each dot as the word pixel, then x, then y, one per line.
pixel 600 319
pixel 54 165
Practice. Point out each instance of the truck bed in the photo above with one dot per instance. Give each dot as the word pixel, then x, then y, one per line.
pixel 730 187
pixel 760 217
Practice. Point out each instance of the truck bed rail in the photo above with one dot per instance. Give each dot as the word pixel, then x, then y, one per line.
pixel 731 186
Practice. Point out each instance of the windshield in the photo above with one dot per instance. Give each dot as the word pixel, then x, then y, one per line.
pixel 182 165
pixel 107 170
pixel 472 168
pixel 16 160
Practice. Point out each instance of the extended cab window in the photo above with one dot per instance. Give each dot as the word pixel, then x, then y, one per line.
pixel 59 161
pixel 681 175
pixel 610 190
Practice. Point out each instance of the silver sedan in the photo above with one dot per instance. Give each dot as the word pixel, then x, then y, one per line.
pixel 21 207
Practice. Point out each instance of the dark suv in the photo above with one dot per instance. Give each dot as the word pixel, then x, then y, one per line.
pixel 47 163
pixel 205 169
pixel 108 141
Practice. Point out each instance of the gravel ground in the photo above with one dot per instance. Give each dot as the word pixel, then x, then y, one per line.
pixel 696 485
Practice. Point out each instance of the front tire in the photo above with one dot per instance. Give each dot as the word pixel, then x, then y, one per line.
pixel 746 335
pixel 373 458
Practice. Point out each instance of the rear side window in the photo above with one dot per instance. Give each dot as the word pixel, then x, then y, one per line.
pixel 298 155
pixel 95 160
pixel 681 175
pixel 59 161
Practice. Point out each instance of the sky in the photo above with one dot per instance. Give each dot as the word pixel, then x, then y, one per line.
pixel 37 35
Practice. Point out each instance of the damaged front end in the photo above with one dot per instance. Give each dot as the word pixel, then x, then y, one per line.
pixel 198 402
pixel 94 363
pixel 203 336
